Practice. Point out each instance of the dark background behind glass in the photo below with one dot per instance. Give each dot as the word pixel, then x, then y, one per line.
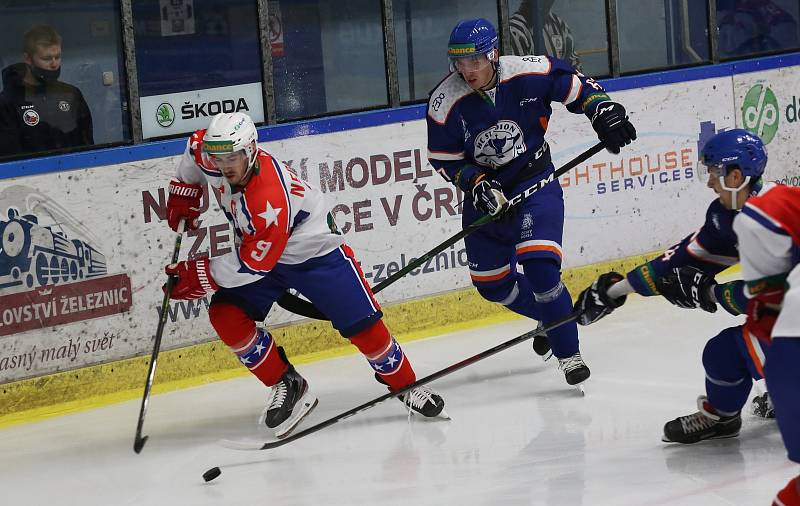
pixel 92 45
pixel 749 27
pixel 333 58
pixel 223 51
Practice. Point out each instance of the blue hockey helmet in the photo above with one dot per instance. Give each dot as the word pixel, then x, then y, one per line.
pixel 472 37
pixel 735 148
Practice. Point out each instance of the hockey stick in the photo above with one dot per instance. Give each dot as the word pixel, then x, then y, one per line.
pixel 139 442
pixel 255 445
pixel 305 308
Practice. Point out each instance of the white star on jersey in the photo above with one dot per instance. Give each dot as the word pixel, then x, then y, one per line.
pixel 259 348
pixel 271 214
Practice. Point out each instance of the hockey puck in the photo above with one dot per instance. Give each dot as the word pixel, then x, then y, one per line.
pixel 211 474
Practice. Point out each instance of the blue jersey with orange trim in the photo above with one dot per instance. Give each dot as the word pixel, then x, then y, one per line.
pixel 277 217
pixel 711 249
pixel 501 130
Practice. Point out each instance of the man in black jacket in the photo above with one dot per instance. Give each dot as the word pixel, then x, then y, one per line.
pixel 37 111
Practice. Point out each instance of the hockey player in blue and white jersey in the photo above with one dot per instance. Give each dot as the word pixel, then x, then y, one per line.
pixel 486 125
pixel 684 275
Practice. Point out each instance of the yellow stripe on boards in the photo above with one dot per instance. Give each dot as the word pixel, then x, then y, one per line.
pixel 91 387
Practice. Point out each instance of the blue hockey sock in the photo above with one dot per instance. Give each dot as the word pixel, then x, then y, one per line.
pixel 728 379
pixel 563 339
pixel 525 304
pixel 553 302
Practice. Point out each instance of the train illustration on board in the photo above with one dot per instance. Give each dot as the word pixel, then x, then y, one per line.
pixel 32 255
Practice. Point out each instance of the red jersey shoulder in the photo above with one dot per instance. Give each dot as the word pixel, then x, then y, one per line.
pixel 266 196
pixel 292 183
pixel 782 204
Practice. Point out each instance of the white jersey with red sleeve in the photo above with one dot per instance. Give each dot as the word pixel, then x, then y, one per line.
pixel 768 230
pixel 277 217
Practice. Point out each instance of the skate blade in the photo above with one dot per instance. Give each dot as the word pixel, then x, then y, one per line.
pixel 442 414
pixel 303 407
pixel 715 438
pixel 547 356
pixel 579 388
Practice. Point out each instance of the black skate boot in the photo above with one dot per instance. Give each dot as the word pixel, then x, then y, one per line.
pixel 762 406
pixel 541 344
pixel 575 370
pixel 288 403
pixel 705 424
pixel 424 401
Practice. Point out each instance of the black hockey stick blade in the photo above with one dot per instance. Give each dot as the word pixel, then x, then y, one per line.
pixel 305 308
pixel 139 441
pixel 256 445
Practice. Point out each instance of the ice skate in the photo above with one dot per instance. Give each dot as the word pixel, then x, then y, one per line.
pixel 289 402
pixel 762 406
pixel 541 344
pixel 425 401
pixel 706 423
pixel 575 370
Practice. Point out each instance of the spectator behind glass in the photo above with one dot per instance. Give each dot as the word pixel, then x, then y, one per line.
pixel 754 26
pixel 37 111
pixel 556 35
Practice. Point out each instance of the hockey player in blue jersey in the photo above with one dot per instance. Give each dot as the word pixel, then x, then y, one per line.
pixel 684 275
pixel 486 125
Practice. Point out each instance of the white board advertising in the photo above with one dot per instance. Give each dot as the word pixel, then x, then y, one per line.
pixel 187 111
pixel 768 104
pixel 80 282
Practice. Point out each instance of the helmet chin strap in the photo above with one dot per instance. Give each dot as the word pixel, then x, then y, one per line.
pixel 734 191
pixel 493 58
pixel 492 80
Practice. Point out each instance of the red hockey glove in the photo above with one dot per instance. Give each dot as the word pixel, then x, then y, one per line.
pixel 194 279
pixel 765 306
pixel 183 202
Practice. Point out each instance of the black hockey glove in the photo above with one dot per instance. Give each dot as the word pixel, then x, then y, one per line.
pixel 595 303
pixel 689 288
pixel 612 126
pixel 487 195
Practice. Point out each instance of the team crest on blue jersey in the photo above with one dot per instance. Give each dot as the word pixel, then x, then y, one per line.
pixel 500 144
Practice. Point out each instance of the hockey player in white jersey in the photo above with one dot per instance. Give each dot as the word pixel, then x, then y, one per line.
pixel 768 229
pixel 284 238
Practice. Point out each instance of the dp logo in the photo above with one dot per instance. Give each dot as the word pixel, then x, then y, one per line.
pixel 760 112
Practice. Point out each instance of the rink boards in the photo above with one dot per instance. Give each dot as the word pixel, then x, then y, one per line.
pixel 83 250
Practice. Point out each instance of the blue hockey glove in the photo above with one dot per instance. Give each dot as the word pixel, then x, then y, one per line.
pixel 487 195
pixel 612 126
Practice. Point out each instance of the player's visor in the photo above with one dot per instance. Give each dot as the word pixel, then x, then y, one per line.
pixel 223 160
pixel 706 171
pixel 474 63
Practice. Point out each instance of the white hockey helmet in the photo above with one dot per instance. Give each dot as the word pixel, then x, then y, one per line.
pixel 229 133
